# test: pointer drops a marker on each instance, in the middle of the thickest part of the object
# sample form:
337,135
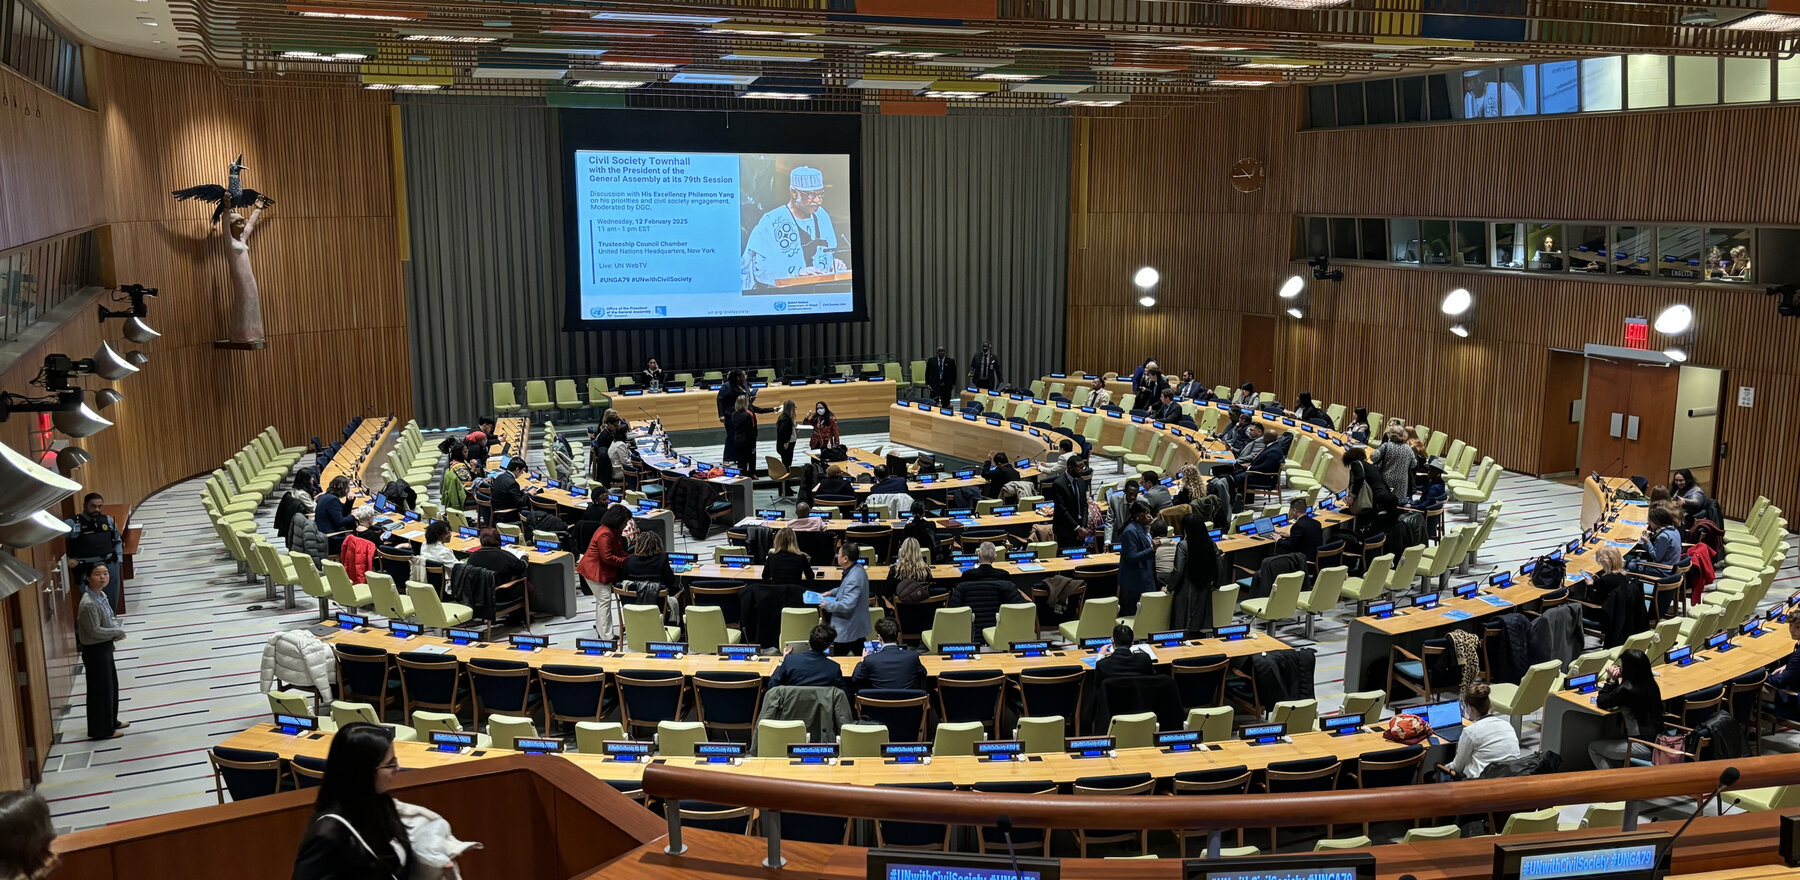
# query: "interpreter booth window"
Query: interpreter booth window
1435,235
1787,78
1350,104
1317,239
1479,92
1373,232
1443,97
1559,87
1321,106
1378,101
1343,238
1746,80
1678,253
1519,90
1471,242
1632,249
1589,254
1412,99
1602,83
1509,245
1696,80
1544,243
1403,240
1729,255
1646,81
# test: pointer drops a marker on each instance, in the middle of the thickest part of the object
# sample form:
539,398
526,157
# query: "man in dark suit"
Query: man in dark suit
984,569
811,668
1302,534
984,368
1191,388
1168,410
890,667
999,471
940,376
508,495
1122,660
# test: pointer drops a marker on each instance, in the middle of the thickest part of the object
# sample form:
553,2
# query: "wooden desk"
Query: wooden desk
863,461
1370,638
355,457
552,575
697,408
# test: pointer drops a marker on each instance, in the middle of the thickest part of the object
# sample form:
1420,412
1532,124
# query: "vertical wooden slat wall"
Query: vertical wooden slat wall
1160,194
325,258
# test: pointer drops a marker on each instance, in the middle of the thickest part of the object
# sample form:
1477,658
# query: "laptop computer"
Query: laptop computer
1446,719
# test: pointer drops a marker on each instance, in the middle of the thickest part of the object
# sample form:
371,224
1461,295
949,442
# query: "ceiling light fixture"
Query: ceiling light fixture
26,488
1094,99
659,17
594,79
1765,21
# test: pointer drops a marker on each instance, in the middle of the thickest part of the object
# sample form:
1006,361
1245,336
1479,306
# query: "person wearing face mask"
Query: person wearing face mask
984,368
824,425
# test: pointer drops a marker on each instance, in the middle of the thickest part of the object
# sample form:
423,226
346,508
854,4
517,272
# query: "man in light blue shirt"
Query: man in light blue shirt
848,605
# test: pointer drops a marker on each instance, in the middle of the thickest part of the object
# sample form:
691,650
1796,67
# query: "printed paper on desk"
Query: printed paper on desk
1496,601
1457,614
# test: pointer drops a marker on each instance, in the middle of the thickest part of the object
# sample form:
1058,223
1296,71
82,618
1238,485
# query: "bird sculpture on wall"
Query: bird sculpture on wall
232,195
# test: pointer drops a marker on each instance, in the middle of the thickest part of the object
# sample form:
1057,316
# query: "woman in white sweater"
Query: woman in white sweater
1486,737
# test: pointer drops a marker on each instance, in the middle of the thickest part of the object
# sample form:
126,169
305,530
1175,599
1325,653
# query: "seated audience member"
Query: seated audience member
1785,680
1167,410
1192,389
984,569
1307,411
998,471
435,551
649,564
1358,429
836,482
920,528
1660,543
621,454
507,493
1190,486
1688,494
509,569
330,515
1122,659
1247,396
1101,397
983,589
1267,464
1628,686
1155,493
888,482
804,521
909,578
891,666
787,563
812,667
1254,444
1236,431
1055,460
1302,534
1487,737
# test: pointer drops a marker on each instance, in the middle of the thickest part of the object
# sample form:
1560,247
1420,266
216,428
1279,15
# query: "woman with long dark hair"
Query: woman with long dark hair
356,830
603,566
1197,577
25,836
1629,687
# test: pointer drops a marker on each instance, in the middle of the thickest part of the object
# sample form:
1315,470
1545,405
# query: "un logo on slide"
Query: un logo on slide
780,306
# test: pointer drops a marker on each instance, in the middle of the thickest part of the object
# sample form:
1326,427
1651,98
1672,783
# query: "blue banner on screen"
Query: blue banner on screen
1593,862
668,235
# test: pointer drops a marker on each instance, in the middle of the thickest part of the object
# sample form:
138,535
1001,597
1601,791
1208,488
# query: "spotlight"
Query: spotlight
137,358
1787,307
33,530
1146,277
1457,302
1675,354
77,420
1146,300
1461,330
108,365
139,332
106,397
15,575
1296,312
1292,287
1322,270
26,488
1675,320
71,457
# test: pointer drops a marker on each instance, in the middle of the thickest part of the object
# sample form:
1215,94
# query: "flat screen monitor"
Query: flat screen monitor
910,865
1297,866
1615,856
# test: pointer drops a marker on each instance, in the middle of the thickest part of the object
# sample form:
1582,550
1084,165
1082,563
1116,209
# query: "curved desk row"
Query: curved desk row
698,409
1370,638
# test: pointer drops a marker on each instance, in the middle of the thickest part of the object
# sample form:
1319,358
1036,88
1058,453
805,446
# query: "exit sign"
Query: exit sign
1637,333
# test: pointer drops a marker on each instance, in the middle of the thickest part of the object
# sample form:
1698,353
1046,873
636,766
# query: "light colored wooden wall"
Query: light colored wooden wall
1158,192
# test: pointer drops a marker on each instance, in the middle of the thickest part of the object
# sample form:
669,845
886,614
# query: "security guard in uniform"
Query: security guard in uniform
94,537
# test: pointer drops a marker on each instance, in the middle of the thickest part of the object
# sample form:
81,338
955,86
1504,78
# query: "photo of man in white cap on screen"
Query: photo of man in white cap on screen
794,239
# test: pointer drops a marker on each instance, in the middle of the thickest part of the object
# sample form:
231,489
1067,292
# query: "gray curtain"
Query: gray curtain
964,231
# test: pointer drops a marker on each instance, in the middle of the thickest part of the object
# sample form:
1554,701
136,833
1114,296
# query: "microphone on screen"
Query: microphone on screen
1004,823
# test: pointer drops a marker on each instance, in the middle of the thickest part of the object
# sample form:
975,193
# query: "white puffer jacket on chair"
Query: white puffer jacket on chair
298,657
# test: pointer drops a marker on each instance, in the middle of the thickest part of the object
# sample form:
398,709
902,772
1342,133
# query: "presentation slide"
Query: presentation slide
682,235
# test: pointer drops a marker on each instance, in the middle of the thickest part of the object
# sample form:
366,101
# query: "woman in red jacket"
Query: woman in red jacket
357,554
602,566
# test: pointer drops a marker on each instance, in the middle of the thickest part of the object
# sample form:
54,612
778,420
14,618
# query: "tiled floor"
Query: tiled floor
190,668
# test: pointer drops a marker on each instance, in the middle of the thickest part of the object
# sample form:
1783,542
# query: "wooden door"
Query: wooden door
1627,390
1256,351
1559,432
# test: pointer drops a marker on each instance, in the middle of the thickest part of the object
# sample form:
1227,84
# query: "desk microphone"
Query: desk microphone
1004,823
1729,776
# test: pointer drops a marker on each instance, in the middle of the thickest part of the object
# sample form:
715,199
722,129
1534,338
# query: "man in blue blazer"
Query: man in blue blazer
813,668
891,667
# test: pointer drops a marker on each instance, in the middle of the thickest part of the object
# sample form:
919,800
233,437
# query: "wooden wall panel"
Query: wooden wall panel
50,175
1158,192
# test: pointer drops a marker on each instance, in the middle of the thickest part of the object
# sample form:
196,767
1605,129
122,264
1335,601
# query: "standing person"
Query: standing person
848,605
1137,376
940,376
740,436
1071,504
1630,687
95,537
603,564
984,368
824,425
1396,458
356,830
95,632
1137,559
729,393
1196,579
25,836
784,436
